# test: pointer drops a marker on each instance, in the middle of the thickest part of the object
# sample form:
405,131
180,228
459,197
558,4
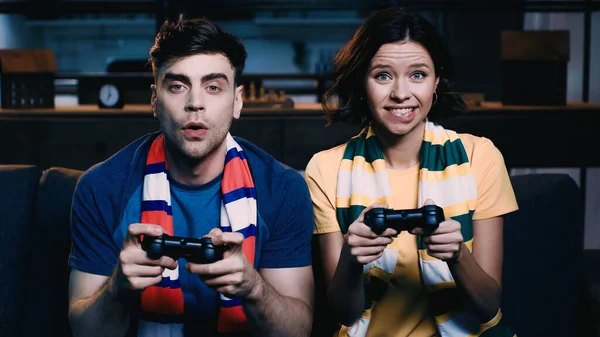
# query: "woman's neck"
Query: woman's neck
189,171
401,152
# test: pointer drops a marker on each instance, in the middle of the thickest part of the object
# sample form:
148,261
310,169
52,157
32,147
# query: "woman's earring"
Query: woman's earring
435,98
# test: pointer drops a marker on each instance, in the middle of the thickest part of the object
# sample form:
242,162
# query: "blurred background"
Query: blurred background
529,70
290,46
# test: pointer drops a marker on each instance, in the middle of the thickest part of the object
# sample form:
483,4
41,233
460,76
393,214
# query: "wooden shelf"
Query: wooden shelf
80,136
300,109
143,110
497,106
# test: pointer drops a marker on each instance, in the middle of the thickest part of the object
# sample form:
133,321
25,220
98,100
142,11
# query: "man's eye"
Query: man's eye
176,87
213,88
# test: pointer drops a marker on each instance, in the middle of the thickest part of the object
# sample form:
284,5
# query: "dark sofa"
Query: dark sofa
34,246
545,289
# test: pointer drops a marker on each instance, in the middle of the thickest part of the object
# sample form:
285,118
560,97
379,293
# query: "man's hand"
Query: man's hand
366,246
136,270
233,276
445,242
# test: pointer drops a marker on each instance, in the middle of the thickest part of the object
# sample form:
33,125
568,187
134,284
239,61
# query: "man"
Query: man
192,179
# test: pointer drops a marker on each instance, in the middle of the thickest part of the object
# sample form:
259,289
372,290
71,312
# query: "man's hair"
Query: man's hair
195,36
346,100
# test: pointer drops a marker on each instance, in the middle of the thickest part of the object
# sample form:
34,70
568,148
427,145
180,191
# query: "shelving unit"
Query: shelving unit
302,9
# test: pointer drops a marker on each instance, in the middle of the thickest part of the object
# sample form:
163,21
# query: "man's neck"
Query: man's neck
402,152
195,172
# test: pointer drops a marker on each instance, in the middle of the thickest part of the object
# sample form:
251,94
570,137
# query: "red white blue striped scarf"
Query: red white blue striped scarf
164,301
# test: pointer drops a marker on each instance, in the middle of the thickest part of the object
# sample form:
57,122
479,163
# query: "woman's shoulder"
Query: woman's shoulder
333,154
326,163
484,156
478,146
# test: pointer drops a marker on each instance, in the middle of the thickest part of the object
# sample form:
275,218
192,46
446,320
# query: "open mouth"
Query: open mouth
195,130
194,126
401,111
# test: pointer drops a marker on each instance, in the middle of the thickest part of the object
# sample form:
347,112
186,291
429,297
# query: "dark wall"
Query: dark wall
473,39
472,30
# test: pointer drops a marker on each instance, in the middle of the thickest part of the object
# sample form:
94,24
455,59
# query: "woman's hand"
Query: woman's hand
445,242
364,245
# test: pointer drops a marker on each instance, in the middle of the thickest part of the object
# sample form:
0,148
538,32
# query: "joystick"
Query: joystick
194,250
427,217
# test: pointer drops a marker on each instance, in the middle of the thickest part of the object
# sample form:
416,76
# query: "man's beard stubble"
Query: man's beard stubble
195,151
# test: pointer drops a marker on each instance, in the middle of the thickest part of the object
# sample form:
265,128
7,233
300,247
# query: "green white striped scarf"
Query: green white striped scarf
444,176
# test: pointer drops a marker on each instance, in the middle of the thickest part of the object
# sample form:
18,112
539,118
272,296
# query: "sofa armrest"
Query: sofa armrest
17,201
47,297
591,292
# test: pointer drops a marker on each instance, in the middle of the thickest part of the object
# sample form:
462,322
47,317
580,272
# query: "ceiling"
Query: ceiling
234,9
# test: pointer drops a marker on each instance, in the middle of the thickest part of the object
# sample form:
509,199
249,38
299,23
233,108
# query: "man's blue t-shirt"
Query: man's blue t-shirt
108,198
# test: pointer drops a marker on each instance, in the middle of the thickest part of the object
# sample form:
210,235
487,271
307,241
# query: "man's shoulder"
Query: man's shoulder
284,205
274,181
116,170
265,168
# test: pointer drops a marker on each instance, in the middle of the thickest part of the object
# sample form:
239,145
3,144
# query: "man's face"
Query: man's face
196,101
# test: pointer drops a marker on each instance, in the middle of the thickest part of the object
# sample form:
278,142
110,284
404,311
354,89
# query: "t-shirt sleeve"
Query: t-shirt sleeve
322,204
495,193
289,242
92,250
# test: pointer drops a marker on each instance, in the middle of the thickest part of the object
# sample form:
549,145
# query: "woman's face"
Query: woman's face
399,83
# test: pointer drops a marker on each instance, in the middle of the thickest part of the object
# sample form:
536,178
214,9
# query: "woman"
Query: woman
393,77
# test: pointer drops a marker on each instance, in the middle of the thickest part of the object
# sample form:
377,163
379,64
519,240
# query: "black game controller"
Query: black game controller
194,250
427,217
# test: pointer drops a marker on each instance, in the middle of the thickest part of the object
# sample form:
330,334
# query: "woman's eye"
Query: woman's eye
382,77
418,76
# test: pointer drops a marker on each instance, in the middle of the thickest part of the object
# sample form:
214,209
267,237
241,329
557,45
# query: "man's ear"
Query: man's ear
153,99
239,101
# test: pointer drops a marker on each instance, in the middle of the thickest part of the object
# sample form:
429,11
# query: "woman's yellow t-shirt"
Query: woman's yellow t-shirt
402,311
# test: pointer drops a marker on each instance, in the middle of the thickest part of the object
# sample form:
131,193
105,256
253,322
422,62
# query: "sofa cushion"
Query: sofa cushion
543,245
47,295
19,184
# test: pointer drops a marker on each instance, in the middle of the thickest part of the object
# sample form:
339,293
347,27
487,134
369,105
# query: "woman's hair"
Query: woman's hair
346,99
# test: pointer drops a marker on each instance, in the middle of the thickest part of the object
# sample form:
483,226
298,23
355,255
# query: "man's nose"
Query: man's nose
195,101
